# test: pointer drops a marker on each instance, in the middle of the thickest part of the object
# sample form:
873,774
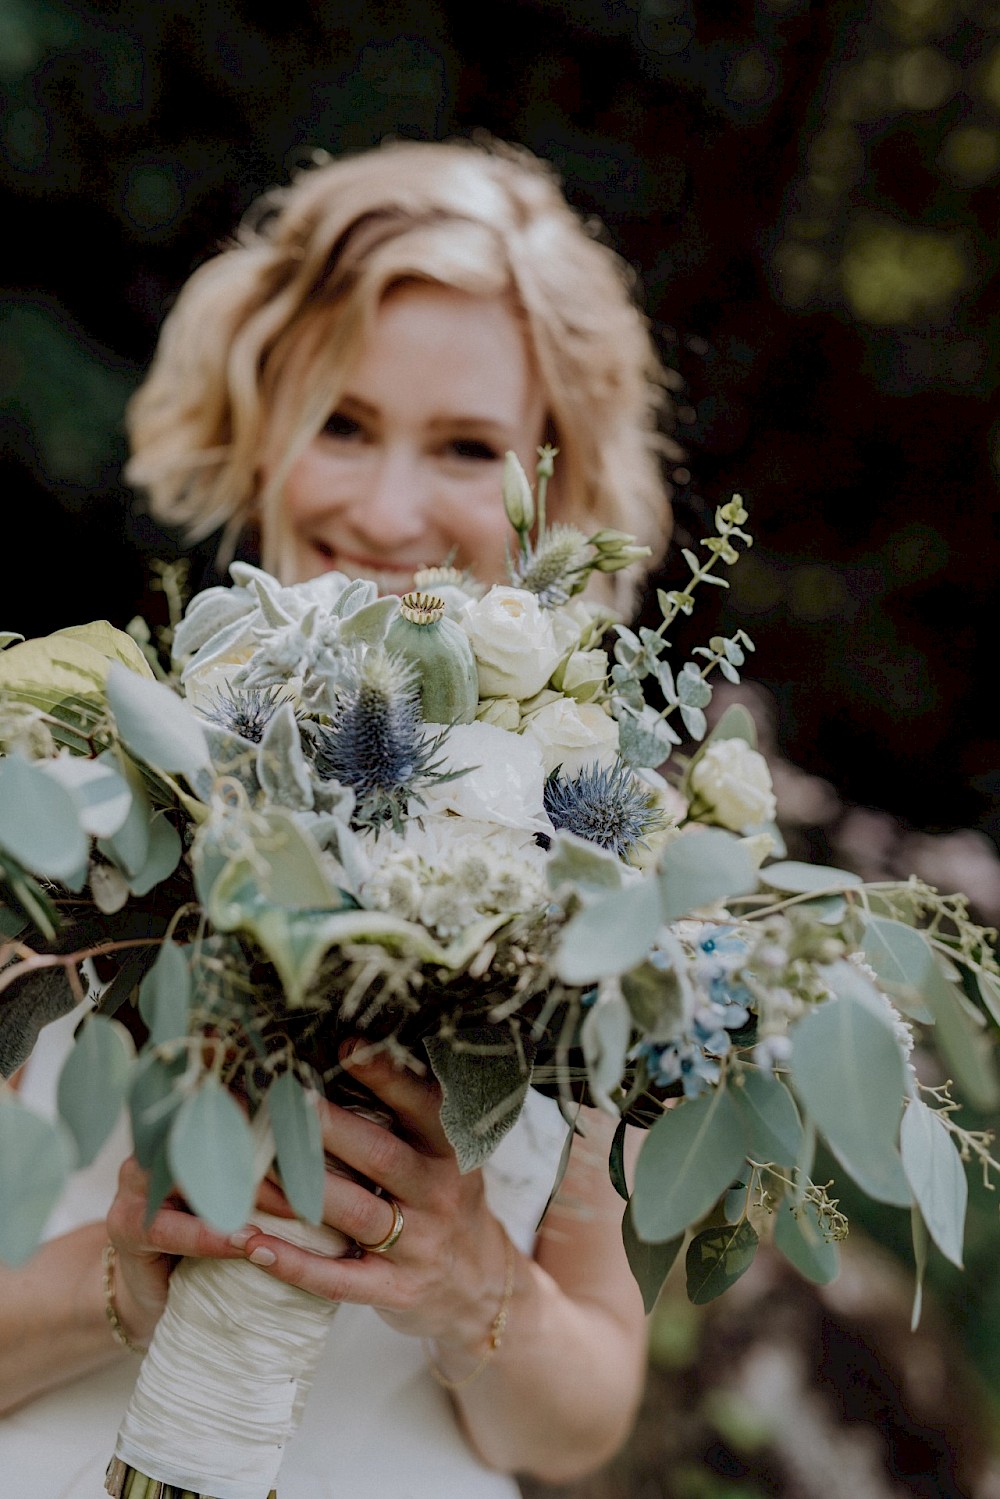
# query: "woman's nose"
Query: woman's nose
391,508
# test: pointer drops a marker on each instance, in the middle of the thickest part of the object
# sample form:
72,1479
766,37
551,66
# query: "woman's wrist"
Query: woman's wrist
458,1360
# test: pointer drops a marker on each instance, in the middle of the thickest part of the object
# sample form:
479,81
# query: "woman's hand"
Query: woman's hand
449,1261
147,1254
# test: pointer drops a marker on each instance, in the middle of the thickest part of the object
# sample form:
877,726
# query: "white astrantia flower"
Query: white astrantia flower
572,735
513,642
734,782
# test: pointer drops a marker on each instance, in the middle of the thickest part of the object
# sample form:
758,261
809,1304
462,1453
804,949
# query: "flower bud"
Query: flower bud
546,462
517,497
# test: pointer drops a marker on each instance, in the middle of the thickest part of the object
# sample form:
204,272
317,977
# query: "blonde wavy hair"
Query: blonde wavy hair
256,350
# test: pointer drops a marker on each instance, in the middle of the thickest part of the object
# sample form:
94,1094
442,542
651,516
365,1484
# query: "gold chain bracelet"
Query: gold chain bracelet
118,1332
497,1328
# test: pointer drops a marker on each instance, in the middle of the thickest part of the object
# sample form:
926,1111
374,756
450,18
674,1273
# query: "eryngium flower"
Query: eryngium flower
607,805
375,741
246,711
554,570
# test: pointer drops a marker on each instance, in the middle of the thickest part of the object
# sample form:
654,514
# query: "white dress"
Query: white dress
375,1421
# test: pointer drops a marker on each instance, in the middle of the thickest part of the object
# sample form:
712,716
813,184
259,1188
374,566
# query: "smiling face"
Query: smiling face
407,471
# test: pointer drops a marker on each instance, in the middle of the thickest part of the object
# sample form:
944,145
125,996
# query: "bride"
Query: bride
336,389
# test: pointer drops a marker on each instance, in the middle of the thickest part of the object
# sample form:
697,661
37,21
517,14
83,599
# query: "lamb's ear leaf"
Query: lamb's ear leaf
484,1091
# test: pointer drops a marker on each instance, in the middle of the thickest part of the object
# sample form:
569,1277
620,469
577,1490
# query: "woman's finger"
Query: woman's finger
415,1101
371,1281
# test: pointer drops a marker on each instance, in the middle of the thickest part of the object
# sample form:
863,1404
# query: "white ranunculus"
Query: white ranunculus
572,735
513,642
734,782
504,787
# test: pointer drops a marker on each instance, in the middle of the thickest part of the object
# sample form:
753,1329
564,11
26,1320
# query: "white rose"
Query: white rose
505,786
513,642
671,804
734,782
203,684
503,712
573,735
584,675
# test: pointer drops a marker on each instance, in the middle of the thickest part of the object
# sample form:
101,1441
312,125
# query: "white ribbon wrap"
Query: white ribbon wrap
223,1385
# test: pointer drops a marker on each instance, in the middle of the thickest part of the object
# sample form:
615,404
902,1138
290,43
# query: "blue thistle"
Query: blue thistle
606,805
246,711
375,742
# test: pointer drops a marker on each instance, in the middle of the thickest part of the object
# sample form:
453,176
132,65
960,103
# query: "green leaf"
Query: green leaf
734,1204
716,1258
128,846
52,669
484,1082
575,861
154,1099
40,821
793,878
735,723
902,958
112,644
93,1083
770,1118
959,1032
165,995
649,1263
688,1159
611,935
35,1160
989,993
935,1171
156,725
918,1230
701,868
798,1235
99,789
11,922
848,1073
211,1156
644,738
604,1040
298,1139
616,1161
281,765
162,856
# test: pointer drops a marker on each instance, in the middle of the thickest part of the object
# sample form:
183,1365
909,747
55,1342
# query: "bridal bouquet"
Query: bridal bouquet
437,822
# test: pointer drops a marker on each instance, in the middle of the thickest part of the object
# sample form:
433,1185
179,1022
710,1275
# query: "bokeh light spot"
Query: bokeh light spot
971,154
894,274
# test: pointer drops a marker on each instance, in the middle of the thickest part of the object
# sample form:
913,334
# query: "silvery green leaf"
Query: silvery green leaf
154,1098
665,679
35,1160
232,755
34,1003
798,1235
794,878
959,1033
701,868
611,935
689,1157
716,1258
734,1204
108,886
298,1140
93,1083
849,1075
281,766
207,615
40,821
230,644
692,690
165,995
369,623
902,958
128,846
483,1090
935,1171
162,856
989,993
604,1039
650,1263
358,594
694,721
211,1154
644,738
770,1118
156,725
99,789
628,647
577,862
284,870
11,922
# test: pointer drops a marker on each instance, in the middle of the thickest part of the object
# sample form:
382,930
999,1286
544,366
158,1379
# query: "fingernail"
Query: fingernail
263,1256
348,1047
242,1236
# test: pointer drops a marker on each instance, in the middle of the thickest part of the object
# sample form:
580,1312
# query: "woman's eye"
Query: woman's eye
339,425
470,447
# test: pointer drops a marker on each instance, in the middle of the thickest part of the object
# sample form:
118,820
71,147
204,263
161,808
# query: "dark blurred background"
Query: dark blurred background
809,194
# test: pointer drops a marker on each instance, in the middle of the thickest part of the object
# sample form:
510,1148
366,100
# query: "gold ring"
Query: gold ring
392,1235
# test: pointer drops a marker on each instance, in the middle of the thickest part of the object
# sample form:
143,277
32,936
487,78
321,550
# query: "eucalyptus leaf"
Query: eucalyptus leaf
692,689
483,1090
211,1156
644,738
770,1118
935,1171
611,935
717,1257
165,995
797,1233
688,1159
35,1160
100,791
694,721
848,1073
961,1037
989,993
902,958
128,845
604,1039
156,725
701,868
650,1263
93,1083
162,856
576,861
616,1160
660,994
734,1204
154,1099
40,820
918,1230
298,1139
793,878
